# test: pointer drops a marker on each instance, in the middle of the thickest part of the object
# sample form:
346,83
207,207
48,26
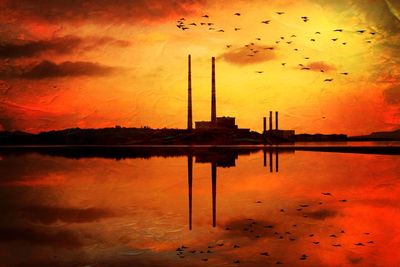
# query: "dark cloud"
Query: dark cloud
46,237
48,69
98,11
320,65
392,95
62,45
321,214
49,215
245,56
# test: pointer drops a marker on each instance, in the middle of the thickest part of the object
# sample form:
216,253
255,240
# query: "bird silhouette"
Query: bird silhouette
289,42
344,73
237,29
359,244
258,39
228,46
193,24
237,14
203,23
317,32
372,33
336,245
205,16
328,80
334,39
338,30
260,73
264,253
327,193
305,68
293,35
316,242
283,64
210,24
266,21
280,13
344,43
360,31
211,28
312,40
221,30
236,261
236,246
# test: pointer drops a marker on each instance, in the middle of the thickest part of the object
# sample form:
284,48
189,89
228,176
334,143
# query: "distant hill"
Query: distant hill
381,136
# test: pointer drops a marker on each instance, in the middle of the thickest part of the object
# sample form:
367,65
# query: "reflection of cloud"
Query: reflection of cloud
49,215
49,69
321,214
245,56
248,228
56,238
63,45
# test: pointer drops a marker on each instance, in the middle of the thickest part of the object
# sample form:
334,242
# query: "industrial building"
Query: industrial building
228,123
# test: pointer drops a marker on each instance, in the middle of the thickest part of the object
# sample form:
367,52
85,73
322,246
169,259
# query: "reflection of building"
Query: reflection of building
221,159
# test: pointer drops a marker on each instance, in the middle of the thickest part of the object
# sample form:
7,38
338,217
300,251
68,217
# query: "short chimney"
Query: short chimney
276,120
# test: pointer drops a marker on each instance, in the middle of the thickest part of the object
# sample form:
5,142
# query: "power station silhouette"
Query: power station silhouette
226,123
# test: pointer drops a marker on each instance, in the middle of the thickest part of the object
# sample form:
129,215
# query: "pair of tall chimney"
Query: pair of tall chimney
213,95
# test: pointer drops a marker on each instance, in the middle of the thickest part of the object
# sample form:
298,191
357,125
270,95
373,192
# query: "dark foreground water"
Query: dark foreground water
218,208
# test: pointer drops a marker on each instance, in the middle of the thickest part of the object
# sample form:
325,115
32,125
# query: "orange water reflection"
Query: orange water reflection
60,211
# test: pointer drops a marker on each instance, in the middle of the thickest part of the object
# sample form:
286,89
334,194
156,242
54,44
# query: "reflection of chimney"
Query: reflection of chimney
276,120
270,120
189,118
190,176
213,101
214,192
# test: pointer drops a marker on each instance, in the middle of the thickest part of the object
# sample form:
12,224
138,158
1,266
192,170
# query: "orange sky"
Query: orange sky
105,63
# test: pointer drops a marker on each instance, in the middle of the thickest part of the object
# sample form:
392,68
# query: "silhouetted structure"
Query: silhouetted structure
189,118
278,135
221,123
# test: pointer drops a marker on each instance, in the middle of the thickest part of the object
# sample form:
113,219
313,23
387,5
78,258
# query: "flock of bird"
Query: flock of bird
257,230
255,49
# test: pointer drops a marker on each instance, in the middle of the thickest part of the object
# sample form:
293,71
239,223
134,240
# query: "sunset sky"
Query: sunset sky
101,63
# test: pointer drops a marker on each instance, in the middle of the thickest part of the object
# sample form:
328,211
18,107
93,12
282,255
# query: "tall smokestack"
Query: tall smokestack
264,125
276,120
189,115
270,120
213,101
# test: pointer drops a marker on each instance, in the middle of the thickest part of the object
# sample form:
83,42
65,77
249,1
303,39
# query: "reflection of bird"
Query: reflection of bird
237,14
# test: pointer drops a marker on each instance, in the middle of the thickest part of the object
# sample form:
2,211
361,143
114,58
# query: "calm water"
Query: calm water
224,208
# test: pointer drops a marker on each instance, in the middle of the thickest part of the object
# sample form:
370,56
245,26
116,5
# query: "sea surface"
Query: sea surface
214,207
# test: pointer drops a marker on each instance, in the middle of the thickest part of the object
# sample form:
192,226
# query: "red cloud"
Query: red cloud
320,65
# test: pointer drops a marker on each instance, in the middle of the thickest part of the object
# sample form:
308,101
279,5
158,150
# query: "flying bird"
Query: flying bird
283,64
312,40
193,24
334,39
293,35
266,21
210,24
280,13
203,23
228,46
327,80
338,30
205,16
360,31
344,43
317,32
345,73
221,30
258,39
289,42
237,14
237,29
259,71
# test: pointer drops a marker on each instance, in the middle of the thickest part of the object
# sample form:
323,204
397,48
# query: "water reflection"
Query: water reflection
62,209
